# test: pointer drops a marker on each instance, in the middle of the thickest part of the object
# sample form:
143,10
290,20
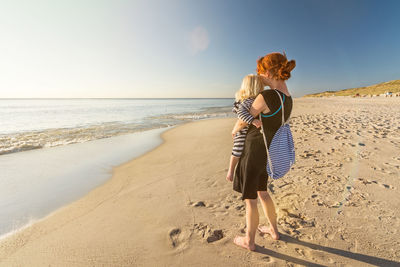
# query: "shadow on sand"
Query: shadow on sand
355,256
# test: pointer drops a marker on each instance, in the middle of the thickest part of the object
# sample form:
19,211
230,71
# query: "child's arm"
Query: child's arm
244,113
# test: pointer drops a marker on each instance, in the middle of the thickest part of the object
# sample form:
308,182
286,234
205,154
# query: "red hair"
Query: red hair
277,64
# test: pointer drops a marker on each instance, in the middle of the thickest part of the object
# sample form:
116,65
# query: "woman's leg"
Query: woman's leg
252,220
232,163
270,213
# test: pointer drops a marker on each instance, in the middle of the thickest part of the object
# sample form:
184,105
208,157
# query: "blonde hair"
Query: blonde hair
251,87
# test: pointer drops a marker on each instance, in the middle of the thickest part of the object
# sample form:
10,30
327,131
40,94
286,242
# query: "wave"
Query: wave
23,141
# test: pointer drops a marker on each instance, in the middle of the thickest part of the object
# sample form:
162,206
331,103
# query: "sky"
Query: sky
158,49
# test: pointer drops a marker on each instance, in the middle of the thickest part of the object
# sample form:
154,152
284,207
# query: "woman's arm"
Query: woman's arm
258,106
246,117
239,125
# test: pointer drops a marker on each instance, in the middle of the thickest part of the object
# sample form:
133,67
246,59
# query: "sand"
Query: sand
172,206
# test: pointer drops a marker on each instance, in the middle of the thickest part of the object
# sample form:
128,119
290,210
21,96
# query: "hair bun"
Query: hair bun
285,69
276,64
290,65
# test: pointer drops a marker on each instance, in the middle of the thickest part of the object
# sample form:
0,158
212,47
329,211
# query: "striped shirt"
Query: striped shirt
242,109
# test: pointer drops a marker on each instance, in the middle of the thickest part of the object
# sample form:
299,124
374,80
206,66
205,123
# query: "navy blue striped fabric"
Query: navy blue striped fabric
242,109
281,154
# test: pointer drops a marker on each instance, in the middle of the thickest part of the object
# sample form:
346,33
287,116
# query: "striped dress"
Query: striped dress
242,109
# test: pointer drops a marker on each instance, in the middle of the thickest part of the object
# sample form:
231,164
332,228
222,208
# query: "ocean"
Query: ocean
27,124
54,151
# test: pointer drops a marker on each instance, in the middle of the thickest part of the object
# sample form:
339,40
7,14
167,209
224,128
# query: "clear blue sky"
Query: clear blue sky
191,48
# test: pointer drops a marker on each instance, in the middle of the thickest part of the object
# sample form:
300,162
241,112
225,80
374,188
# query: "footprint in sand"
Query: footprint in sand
240,207
174,236
381,170
202,229
215,235
300,252
386,186
285,184
221,206
199,204
214,183
290,198
291,223
392,165
367,182
330,235
266,259
205,231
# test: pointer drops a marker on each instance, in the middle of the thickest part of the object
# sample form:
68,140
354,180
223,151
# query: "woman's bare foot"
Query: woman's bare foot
269,230
229,177
243,242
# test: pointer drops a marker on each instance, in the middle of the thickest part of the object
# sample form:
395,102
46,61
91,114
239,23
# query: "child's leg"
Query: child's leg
238,143
232,163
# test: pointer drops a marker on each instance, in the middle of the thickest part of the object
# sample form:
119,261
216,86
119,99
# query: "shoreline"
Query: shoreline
23,221
69,172
116,185
154,146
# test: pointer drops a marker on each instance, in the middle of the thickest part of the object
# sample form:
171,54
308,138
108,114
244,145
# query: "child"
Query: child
251,87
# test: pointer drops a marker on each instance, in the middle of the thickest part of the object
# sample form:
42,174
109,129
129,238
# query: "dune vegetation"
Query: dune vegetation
376,89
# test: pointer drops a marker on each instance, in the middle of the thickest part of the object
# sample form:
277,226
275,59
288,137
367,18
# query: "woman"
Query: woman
250,176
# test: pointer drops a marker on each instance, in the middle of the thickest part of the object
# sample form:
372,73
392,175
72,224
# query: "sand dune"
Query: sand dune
375,89
173,206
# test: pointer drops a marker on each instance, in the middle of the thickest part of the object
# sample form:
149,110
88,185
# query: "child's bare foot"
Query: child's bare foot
229,177
243,242
269,230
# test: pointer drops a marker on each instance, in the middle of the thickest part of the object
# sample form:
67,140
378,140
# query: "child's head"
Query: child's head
251,86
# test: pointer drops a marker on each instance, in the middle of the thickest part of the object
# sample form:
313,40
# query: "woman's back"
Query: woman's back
273,119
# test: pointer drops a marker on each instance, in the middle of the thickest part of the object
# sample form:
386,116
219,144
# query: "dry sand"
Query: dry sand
170,207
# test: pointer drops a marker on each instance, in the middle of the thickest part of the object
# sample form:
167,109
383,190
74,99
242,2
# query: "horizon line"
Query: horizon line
6,98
